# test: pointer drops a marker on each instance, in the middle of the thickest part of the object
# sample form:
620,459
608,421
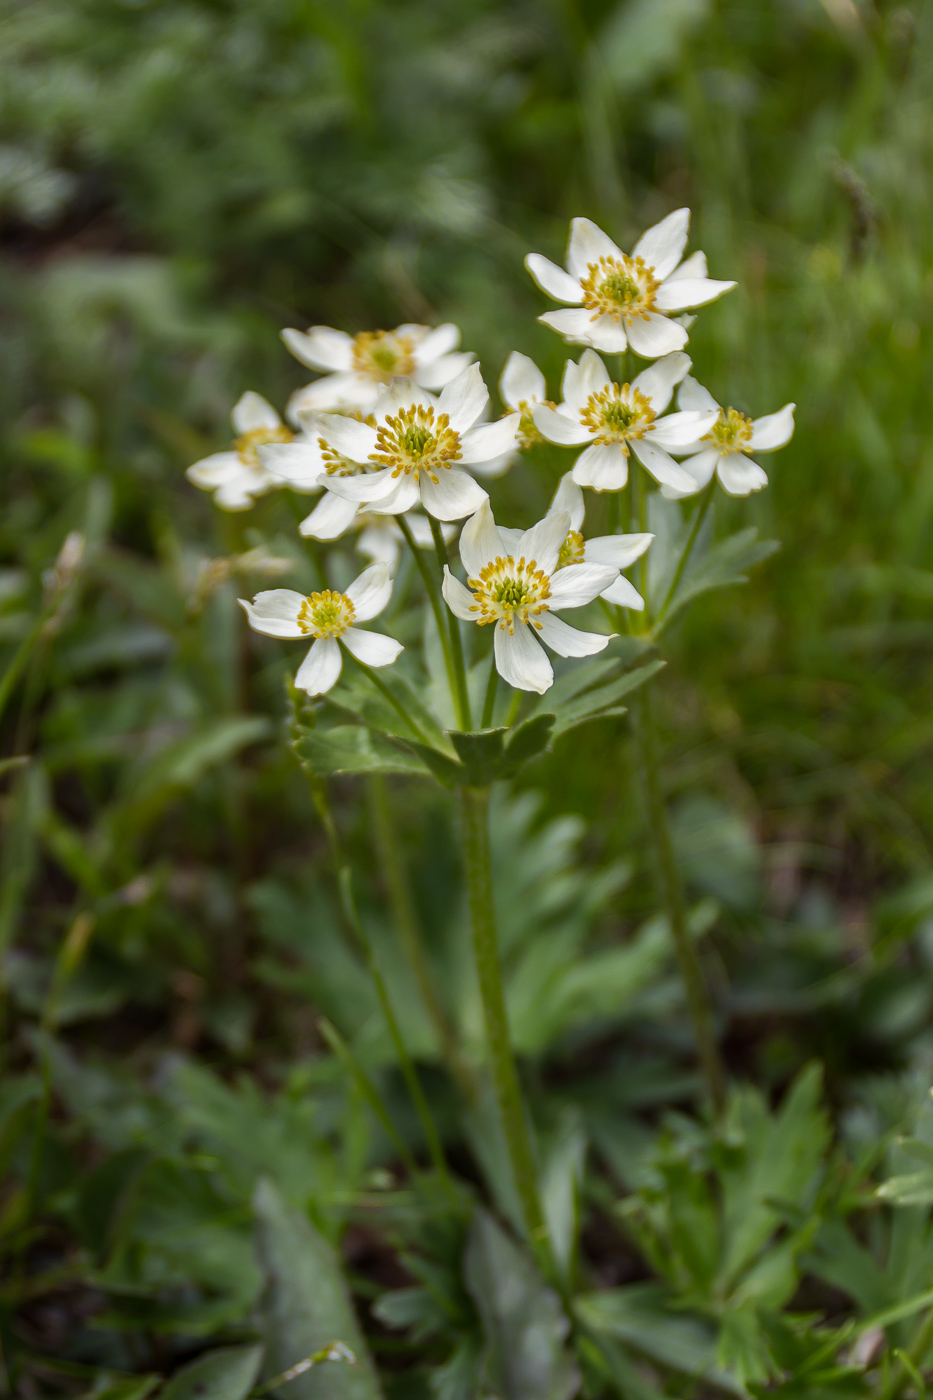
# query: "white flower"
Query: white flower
357,368
414,451
518,587
618,551
326,617
615,419
521,387
237,477
722,449
626,299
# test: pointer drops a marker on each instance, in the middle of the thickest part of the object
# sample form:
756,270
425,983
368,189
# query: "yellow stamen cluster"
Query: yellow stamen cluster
732,431
617,414
383,355
412,442
326,614
623,287
571,551
507,592
245,446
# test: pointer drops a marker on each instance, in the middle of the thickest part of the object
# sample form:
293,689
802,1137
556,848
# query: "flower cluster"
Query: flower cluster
395,437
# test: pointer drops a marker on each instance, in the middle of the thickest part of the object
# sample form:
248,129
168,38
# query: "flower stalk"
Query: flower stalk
456,641
672,895
475,815
432,588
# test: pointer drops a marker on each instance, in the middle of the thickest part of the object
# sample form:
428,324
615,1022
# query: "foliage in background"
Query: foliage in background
177,182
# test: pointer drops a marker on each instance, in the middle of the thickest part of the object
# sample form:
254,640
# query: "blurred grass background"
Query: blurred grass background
178,181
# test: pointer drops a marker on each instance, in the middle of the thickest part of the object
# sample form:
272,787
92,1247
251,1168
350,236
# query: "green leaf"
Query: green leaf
528,740
480,755
307,1305
602,700
126,1388
229,1373
351,748
912,1189
725,565
523,1323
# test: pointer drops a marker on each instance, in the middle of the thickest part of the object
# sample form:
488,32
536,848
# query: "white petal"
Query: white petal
573,323
380,543
694,266
330,518
321,668
481,542
459,599
347,436
521,381
464,399
368,486
252,411
587,245
332,394
452,496
553,280
436,373
490,440
623,594
520,661
680,430
372,648
569,497
567,640
510,539
213,471
662,246
689,291
662,467
320,348
774,430
436,343
606,333
658,380
557,427
543,541
739,475
604,467
402,393
618,550
403,497
699,468
275,612
298,463
578,584
694,397
496,466
654,335
370,593
583,379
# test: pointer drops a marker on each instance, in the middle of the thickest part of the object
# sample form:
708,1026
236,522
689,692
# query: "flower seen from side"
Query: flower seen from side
617,299
416,446
618,419
238,476
521,387
516,585
722,449
328,617
616,551
355,369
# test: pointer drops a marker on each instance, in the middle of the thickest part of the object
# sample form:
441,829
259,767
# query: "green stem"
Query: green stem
393,700
475,814
370,1093
672,894
699,515
456,641
433,591
355,924
514,708
639,487
406,920
22,655
615,512
492,686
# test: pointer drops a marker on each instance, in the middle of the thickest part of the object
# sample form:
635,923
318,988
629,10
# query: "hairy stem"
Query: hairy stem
475,814
406,920
432,588
672,895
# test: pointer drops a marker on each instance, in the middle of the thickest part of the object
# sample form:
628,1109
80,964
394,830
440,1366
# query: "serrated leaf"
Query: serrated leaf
229,1373
351,748
355,695
307,1305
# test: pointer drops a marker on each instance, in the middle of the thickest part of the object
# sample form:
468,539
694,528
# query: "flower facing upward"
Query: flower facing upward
237,477
516,585
521,387
722,449
328,617
616,419
357,368
415,446
619,299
